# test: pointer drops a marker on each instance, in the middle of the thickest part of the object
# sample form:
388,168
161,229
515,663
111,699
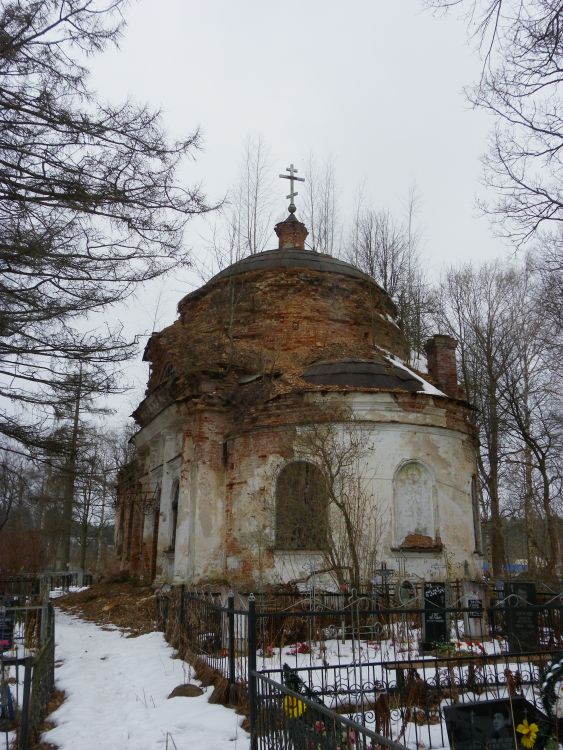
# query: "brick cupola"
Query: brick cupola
291,233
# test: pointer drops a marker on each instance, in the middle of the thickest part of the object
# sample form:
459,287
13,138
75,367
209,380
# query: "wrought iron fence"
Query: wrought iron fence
288,720
66,580
370,663
29,588
26,669
20,586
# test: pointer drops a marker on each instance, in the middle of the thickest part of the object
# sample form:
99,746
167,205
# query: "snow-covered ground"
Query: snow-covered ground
116,695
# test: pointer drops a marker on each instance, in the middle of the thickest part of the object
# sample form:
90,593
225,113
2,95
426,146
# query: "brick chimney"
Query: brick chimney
291,233
442,367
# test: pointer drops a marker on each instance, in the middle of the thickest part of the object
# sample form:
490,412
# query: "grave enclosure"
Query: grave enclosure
27,657
367,658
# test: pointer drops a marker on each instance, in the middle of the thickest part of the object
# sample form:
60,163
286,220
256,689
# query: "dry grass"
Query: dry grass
56,700
125,605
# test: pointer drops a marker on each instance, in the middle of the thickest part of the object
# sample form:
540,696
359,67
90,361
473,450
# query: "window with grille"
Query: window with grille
301,507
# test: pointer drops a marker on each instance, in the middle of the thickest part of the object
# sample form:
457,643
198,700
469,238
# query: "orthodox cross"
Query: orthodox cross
292,193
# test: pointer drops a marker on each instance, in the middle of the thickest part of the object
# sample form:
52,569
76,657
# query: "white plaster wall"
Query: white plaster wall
202,527
159,443
395,436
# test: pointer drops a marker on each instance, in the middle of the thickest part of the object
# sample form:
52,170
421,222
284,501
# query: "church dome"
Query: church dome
283,310
294,258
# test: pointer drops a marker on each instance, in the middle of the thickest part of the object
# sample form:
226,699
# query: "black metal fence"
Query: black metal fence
20,586
27,660
371,663
287,720
29,588
66,580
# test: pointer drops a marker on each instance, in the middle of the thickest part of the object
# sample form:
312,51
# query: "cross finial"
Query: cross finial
292,193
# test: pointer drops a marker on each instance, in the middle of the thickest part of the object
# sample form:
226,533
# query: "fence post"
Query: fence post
23,733
251,639
231,636
44,625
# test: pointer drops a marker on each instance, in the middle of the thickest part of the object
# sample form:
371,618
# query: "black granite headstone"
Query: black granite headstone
493,725
436,629
521,618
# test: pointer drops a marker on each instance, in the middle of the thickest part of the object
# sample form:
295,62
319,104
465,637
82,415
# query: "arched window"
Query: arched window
301,507
414,506
174,514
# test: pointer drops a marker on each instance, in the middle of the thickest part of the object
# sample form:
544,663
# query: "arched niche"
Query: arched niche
415,522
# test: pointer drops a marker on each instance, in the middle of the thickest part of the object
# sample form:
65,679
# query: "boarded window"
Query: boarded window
414,506
301,508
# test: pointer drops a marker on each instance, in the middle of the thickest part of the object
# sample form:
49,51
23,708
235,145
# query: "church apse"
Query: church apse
279,343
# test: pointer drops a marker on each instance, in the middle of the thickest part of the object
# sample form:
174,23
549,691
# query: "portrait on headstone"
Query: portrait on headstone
501,724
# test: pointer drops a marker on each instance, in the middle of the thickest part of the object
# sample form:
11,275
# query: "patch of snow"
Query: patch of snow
116,695
426,387
390,319
55,593
419,362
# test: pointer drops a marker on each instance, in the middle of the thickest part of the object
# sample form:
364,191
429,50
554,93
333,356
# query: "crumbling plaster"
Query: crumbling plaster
225,408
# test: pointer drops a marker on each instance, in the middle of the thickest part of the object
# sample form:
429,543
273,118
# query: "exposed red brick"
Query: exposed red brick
442,365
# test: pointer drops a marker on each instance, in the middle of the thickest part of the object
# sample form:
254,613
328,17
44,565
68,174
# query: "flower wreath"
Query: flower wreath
549,678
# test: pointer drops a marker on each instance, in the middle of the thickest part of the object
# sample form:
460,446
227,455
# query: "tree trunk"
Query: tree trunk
101,528
497,539
70,471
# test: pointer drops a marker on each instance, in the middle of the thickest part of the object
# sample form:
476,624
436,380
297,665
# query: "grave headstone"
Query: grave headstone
475,624
521,619
435,622
493,725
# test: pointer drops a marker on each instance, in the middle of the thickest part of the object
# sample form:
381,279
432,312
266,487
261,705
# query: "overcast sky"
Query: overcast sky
374,85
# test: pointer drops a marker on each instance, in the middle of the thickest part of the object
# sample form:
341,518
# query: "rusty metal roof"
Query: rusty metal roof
361,373
292,258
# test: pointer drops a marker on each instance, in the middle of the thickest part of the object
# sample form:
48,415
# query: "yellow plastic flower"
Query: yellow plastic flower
294,707
529,733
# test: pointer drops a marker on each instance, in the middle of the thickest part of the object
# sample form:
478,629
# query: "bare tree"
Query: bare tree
547,266
355,525
96,495
321,213
522,44
473,306
531,398
387,250
244,224
13,488
498,316
89,203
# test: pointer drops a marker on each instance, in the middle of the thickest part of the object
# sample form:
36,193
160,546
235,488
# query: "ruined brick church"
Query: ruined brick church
225,487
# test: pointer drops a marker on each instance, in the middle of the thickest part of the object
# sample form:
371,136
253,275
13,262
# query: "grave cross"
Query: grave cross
292,193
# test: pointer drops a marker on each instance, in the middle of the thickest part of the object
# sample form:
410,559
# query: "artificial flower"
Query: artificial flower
293,707
529,733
